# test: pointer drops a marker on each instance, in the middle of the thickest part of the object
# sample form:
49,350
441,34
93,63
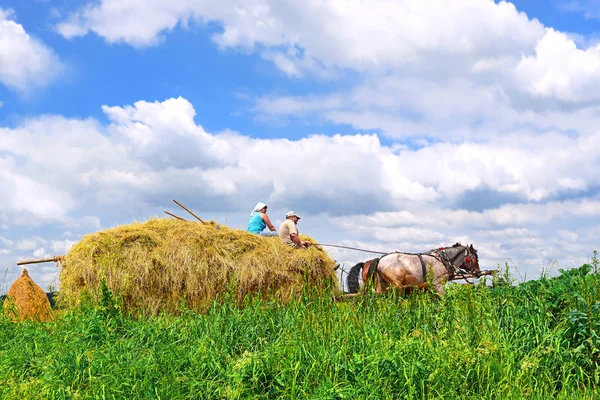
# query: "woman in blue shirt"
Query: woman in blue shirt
259,219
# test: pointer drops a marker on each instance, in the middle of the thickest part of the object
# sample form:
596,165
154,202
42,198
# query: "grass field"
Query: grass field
539,339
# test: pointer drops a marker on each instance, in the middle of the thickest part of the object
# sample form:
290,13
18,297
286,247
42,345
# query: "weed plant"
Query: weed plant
539,339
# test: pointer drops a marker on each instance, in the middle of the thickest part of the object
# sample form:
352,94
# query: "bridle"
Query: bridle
470,259
454,268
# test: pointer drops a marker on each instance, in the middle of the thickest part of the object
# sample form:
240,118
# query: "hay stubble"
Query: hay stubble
162,263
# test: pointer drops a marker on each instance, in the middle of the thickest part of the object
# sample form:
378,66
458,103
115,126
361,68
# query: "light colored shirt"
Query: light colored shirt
286,230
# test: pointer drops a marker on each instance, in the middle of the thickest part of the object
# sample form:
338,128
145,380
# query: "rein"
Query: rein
351,248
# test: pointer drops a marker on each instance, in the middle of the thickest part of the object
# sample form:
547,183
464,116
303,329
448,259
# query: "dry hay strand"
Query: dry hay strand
26,300
162,263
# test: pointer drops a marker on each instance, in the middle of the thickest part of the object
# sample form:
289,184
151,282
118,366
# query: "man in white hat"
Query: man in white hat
288,232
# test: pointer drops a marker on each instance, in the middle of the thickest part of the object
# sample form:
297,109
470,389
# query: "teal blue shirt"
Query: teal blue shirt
256,224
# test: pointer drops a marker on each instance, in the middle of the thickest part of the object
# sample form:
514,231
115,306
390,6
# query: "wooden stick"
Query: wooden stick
41,260
186,209
479,275
175,216
346,297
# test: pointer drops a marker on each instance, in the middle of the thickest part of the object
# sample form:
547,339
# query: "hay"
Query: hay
26,300
161,263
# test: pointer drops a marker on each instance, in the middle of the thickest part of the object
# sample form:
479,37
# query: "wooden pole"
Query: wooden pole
175,216
475,275
186,209
41,260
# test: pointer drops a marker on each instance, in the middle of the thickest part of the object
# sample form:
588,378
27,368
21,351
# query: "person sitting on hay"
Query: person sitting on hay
259,220
288,232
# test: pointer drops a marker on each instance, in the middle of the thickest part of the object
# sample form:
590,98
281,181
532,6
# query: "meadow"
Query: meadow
496,339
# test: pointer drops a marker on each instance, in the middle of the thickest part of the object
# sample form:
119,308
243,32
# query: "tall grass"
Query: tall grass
539,339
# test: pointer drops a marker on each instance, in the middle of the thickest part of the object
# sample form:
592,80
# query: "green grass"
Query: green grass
539,339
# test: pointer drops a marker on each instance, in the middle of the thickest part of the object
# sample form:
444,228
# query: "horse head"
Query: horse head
471,260
464,257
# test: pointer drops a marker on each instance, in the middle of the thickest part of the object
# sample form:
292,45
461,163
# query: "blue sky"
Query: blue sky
389,125
186,63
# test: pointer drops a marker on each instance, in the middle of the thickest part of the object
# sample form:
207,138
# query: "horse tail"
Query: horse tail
352,279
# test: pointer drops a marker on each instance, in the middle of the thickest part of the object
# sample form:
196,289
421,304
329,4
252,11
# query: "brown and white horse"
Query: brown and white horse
410,270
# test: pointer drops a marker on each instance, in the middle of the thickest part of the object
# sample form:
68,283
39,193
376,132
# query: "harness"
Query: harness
369,268
444,259
423,267
439,254
452,269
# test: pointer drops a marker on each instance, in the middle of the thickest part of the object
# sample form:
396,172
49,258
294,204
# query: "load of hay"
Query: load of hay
162,264
26,300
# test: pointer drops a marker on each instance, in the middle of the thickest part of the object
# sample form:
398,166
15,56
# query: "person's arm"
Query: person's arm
267,220
296,239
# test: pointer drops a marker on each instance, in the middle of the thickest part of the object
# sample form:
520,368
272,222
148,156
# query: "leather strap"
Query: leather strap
423,267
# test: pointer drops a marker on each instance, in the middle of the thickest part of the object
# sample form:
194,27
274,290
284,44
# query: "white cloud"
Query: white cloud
25,62
483,41
30,243
509,217
350,188
60,247
41,253
348,34
24,194
152,148
560,70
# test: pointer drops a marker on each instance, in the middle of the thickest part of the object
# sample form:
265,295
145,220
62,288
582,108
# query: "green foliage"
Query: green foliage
539,339
504,279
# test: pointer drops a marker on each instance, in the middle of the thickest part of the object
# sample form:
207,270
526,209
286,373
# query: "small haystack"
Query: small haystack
26,300
162,264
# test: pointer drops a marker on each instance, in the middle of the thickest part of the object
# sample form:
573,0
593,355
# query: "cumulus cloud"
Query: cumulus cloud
53,248
492,117
489,43
454,110
151,148
560,70
460,70
351,34
351,188
25,62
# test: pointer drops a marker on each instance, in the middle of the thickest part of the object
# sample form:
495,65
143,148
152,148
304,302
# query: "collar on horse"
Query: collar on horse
441,255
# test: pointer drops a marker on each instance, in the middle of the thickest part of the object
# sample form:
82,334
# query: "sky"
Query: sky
388,125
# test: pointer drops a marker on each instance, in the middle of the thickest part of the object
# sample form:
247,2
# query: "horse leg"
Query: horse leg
382,285
438,284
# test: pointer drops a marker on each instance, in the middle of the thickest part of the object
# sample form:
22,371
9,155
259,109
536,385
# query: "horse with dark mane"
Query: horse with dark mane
410,270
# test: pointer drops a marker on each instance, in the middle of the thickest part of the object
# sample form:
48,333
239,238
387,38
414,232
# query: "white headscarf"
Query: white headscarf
259,206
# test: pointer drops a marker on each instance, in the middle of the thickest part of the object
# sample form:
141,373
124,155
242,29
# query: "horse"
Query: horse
409,270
